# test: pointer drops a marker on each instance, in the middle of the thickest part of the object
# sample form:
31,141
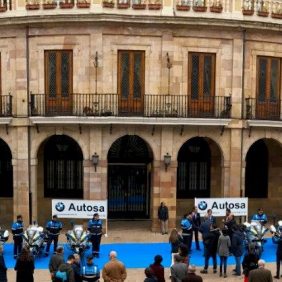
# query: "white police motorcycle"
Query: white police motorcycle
34,238
4,236
77,239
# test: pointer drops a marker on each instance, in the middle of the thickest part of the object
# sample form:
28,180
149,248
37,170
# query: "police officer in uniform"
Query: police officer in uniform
17,230
260,216
187,230
95,228
53,228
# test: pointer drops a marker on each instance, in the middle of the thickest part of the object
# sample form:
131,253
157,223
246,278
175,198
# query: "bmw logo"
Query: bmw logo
202,205
60,207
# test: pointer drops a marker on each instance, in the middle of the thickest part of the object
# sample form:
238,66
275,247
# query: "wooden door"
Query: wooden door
268,88
58,82
131,81
201,85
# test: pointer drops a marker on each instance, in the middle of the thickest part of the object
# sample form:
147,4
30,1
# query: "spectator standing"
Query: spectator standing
157,268
187,230
192,276
67,267
3,268
53,228
55,261
77,268
205,227
276,239
149,275
250,261
175,239
178,270
210,217
90,272
163,218
17,230
229,222
25,266
237,247
210,241
260,216
114,270
196,223
183,252
223,246
261,274
95,227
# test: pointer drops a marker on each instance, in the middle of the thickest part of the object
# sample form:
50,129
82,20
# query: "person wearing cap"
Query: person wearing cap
95,227
53,228
260,216
17,230
192,276
90,272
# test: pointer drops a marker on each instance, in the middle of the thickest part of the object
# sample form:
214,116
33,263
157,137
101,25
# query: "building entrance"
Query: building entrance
129,178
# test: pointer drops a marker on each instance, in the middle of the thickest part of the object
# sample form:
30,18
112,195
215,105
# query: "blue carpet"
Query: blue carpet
136,255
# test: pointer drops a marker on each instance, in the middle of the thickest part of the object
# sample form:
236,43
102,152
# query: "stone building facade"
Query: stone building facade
132,86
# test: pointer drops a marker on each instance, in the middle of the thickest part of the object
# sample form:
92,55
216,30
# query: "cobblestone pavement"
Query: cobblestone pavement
136,232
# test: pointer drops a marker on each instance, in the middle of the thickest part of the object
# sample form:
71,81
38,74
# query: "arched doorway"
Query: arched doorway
129,161
194,169
6,170
256,180
63,168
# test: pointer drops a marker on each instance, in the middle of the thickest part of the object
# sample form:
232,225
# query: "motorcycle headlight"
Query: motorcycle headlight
30,233
78,234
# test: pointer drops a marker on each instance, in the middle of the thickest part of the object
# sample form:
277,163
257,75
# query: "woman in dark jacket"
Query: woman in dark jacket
25,266
158,269
3,268
175,239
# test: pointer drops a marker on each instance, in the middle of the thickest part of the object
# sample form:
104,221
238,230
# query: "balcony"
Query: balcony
157,106
6,105
267,109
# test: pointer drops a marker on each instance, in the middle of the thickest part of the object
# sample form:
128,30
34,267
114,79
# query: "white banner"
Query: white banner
238,206
79,208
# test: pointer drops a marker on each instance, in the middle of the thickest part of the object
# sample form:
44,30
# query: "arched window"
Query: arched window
256,180
6,170
63,170
193,172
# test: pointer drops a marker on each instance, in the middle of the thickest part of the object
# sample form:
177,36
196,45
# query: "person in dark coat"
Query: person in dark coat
175,239
25,266
196,223
210,248
277,239
149,275
158,269
250,261
261,274
3,268
229,222
76,268
55,261
178,270
237,247
192,276
163,217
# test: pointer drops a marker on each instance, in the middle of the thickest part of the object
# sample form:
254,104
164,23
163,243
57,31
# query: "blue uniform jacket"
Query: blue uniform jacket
186,225
262,218
17,229
54,227
95,226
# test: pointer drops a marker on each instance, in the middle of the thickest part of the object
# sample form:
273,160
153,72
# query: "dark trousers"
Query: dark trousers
278,260
196,234
52,238
187,240
18,243
223,262
96,241
209,255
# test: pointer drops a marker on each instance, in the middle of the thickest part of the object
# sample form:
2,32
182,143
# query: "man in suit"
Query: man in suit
178,270
196,222
260,274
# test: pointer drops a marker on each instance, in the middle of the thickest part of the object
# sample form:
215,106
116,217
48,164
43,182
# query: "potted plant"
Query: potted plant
3,8
200,7
182,6
263,12
154,6
216,8
66,5
139,5
32,6
49,5
108,4
83,4
123,5
276,15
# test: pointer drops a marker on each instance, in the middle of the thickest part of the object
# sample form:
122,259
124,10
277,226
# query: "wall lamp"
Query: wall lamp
167,160
95,160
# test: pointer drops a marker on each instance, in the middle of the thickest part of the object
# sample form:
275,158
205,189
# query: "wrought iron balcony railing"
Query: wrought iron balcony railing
266,109
177,106
6,105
